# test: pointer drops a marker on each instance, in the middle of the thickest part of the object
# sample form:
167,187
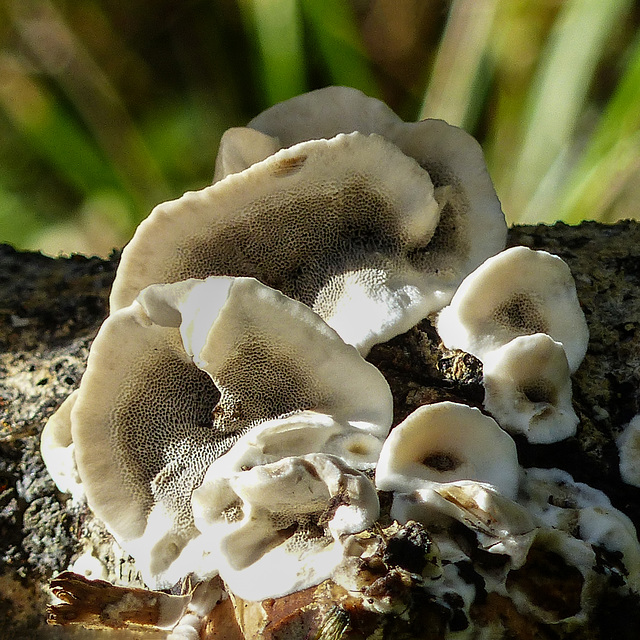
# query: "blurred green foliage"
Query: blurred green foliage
107,108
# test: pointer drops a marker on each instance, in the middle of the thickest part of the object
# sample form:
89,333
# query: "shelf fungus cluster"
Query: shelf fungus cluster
231,435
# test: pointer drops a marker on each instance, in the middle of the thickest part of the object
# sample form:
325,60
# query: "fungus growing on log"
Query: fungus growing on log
277,528
340,225
344,217
447,442
518,292
528,388
228,423
629,451
175,379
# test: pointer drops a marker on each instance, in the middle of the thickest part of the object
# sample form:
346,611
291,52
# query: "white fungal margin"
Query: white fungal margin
629,451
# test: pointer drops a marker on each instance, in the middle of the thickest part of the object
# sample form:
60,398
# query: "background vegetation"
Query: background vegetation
109,107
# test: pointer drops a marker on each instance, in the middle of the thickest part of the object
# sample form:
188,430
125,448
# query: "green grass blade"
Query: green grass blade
52,131
612,156
333,27
48,37
557,99
277,27
454,92
599,187
18,220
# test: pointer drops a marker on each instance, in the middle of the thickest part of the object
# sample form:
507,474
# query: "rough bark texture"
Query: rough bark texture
51,309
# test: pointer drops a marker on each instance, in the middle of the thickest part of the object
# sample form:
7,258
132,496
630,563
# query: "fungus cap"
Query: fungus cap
142,428
528,389
258,190
277,528
324,113
517,292
629,451
178,377
335,224
262,338
301,433
447,442
556,500
570,562
472,226
241,147
500,525
57,449
553,497
612,532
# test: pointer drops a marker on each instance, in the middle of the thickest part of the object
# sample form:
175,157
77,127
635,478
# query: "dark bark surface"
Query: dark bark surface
51,309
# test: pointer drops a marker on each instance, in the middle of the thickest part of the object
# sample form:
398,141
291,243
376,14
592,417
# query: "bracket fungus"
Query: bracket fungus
176,378
302,433
500,525
557,501
553,496
555,558
515,293
276,528
57,448
227,422
447,442
583,545
345,219
471,226
629,451
339,225
528,388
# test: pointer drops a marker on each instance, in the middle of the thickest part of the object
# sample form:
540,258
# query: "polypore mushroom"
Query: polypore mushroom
480,534
500,525
525,552
300,434
471,226
629,451
447,442
177,377
555,499
276,354
325,113
57,448
517,292
614,539
555,558
528,389
337,224
241,147
343,223
277,528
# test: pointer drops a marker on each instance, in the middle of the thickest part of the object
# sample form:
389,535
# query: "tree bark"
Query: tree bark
50,309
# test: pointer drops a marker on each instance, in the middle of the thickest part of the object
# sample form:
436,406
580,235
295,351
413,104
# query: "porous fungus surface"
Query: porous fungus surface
605,262
335,207
471,226
517,292
528,388
345,230
288,514
175,379
447,442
